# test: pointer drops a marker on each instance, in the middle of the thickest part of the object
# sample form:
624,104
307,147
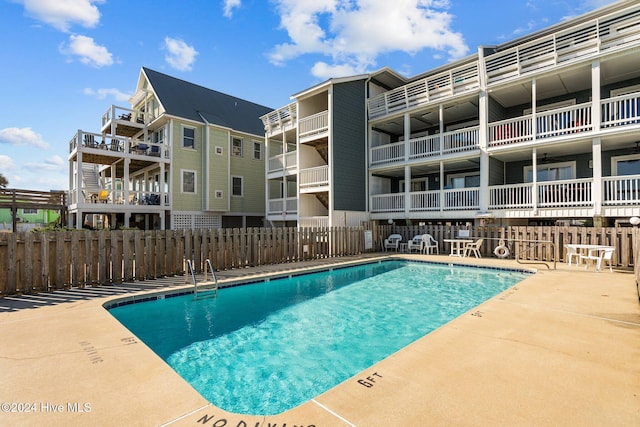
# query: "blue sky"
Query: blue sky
64,62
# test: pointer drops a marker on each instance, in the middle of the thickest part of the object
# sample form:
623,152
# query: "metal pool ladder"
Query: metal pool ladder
204,286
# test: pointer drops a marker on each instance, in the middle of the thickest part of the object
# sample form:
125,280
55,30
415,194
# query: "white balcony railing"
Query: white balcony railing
616,30
621,190
563,121
510,131
387,153
112,146
568,193
575,193
621,110
283,206
287,161
313,125
422,201
387,202
314,177
514,196
428,146
462,199
430,89
284,117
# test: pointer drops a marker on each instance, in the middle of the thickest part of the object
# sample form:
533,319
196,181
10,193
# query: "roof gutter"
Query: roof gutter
206,165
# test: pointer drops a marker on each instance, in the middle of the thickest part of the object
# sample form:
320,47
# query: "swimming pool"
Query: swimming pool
267,347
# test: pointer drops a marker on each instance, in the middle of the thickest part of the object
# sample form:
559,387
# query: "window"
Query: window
189,138
420,184
464,180
29,211
551,172
236,147
188,181
236,186
626,165
158,136
257,151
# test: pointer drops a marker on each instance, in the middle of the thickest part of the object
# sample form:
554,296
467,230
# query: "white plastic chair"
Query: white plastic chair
430,244
392,242
416,244
572,253
604,255
473,248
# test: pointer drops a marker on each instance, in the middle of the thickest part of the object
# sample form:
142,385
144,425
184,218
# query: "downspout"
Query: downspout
206,165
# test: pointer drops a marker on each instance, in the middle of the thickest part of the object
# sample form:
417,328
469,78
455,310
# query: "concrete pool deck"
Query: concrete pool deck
560,348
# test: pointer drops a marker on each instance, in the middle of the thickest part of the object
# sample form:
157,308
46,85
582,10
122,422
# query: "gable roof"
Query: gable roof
190,101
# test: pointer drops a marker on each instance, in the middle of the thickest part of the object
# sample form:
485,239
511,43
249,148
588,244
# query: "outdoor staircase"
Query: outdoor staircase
90,178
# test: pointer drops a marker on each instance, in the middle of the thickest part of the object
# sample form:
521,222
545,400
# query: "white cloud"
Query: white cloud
179,54
6,163
22,136
88,51
229,5
54,163
102,93
62,14
354,32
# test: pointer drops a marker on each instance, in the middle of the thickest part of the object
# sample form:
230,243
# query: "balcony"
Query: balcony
90,198
619,30
280,120
286,163
617,111
314,126
314,179
283,206
123,121
434,88
619,193
107,149
453,142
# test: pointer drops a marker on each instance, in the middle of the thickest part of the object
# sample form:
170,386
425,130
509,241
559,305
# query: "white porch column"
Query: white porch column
596,187
534,180
442,185
441,122
126,185
162,198
407,169
407,136
483,114
596,112
407,190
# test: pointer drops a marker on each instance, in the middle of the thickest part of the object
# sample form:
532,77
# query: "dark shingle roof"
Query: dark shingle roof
187,100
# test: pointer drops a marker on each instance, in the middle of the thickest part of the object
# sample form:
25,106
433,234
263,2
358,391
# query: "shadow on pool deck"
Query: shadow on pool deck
559,348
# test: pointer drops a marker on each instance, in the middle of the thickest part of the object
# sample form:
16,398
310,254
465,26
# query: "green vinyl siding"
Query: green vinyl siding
219,179
252,173
186,159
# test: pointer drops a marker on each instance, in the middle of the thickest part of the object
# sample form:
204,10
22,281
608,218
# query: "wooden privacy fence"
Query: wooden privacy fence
530,243
33,262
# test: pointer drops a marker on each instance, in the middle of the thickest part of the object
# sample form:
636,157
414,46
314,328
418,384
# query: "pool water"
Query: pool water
267,347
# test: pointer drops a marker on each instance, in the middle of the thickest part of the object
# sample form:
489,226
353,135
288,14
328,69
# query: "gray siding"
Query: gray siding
349,146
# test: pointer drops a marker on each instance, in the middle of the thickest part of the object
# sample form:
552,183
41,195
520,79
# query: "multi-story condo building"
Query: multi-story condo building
544,129
316,171
181,156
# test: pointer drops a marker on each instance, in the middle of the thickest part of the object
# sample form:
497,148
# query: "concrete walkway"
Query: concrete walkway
560,348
